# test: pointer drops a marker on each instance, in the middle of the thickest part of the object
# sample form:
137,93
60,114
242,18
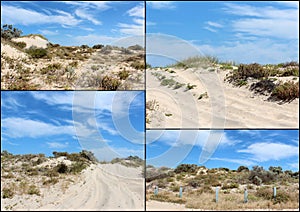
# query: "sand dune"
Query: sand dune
32,41
226,106
100,187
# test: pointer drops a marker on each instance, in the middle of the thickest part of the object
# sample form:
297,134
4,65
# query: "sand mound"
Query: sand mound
33,40
12,52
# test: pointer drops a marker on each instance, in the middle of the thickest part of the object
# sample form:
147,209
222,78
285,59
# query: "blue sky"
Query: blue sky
237,147
43,122
77,22
244,32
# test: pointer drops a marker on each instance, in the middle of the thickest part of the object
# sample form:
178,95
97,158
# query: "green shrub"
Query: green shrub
98,46
242,168
123,74
35,52
264,86
33,190
77,167
230,186
22,45
189,87
62,168
138,65
190,168
286,92
7,193
168,82
109,83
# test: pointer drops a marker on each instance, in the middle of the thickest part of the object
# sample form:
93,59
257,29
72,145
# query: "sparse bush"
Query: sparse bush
265,86
60,154
7,193
35,52
51,181
33,190
62,168
22,45
243,168
94,67
123,74
138,65
230,186
286,92
84,46
77,167
203,95
109,83
190,168
168,82
125,51
135,47
275,169
189,87
98,46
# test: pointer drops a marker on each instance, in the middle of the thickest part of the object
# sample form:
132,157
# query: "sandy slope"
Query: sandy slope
96,189
226,106
32,41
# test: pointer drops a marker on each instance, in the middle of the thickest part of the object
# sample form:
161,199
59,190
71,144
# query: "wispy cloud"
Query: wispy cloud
82,13
57,145
265,21
270,151
20,127
214,24
28,17
237,161
161,4
210,29
138,25
48,32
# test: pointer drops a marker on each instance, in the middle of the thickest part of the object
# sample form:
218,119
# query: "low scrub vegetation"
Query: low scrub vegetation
199,185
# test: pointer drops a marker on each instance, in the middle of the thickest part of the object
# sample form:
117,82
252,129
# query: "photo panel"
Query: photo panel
222,65
68,150
72,45
222,169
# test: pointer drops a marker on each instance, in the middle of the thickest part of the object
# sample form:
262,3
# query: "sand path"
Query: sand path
226,106
102,190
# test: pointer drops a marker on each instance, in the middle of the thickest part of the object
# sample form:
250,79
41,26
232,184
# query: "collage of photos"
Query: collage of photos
149,105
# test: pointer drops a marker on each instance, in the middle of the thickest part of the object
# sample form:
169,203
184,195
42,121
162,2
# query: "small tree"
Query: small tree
242,168
9,32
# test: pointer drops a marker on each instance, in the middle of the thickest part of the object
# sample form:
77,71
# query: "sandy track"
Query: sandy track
101,190
226,106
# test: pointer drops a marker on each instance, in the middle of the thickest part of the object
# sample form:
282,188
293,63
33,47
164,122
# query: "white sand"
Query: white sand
226,106
100,187
32,41
11,52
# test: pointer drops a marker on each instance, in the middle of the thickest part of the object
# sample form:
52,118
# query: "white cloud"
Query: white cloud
237,161
93,39
20,127
188,137
270,151
56,98
10,103
137,11
214,24
161,4
289,3
265,21
57,145
210,29
99,5
87,15
16,15
294,165
260,51
48,32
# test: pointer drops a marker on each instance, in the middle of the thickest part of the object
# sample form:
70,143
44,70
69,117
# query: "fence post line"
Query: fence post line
217,194
156,190
245,196
180,192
